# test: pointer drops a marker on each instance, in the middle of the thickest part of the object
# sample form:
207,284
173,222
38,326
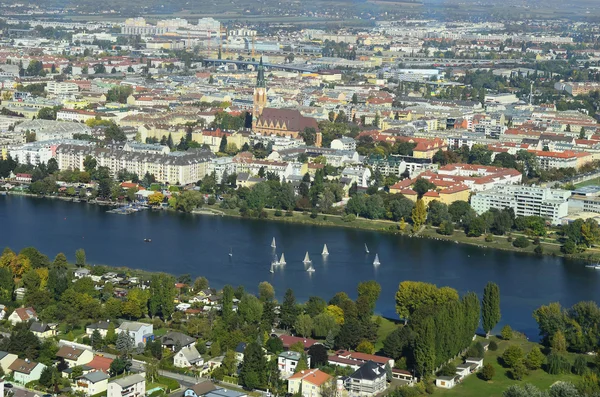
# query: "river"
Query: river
200,244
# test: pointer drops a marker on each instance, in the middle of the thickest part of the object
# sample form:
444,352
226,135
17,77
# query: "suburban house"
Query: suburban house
139,331
188,357
25,371
100,363
355,360
174,340
447,382
92,383
101,326
290,340
43,330
81,272
199,389
239,351
74,357
287,362
22,314
129,386
6,360
311,381
370,379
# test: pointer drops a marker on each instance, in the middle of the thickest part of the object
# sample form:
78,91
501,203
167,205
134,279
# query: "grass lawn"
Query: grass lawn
591,182
472,386
386,327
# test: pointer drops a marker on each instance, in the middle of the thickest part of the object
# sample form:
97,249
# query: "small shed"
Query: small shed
446,382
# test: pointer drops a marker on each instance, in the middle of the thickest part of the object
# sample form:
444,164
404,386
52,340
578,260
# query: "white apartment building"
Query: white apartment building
129,386
58,88
34,153
344,143
221,166
551,204
75,115
174,168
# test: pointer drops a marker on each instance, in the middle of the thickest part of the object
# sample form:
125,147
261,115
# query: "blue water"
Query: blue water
199,245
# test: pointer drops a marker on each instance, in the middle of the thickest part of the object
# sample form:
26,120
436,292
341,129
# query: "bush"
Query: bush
263,214
429,388
278,213
506,332
569,247
487,372
536,241
538,250
580,365
446,228
314,214
513,355
476,350
521,242
489,238
493,346
518,371
535,358
349,218
289,213
212,200
557,364
509,239
448,370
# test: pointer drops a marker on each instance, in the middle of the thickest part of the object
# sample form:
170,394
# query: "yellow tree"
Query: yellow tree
43,273
419,214
156,198
336,312
20,266
8,256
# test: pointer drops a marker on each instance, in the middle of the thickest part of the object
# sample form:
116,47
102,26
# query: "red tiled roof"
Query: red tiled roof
290,340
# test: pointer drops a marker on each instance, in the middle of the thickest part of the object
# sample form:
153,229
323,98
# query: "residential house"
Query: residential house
101,326
43,330
290,340
225,393
25,371
447,382
129,386
100,363
188,357
287,362
476,363
140,332
6,360
359,175
73,356
91,383
403,377
81,273
310,381
199,389
346,358
22,314
176,340
369,380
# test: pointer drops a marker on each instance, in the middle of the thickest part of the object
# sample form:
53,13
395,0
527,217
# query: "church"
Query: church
269,121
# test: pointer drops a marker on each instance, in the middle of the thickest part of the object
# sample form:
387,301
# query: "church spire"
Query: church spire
260,78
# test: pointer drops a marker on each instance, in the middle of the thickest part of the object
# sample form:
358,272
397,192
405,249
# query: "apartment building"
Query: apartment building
129,386
551,204
58,88
174,168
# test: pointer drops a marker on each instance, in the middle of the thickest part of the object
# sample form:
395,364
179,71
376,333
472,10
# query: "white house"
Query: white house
369,380
188,357
101,326
74,357
92,383
446,382
287,362
129,386
6,360
22,314
476,363
25,371
139,331
358,175
43,330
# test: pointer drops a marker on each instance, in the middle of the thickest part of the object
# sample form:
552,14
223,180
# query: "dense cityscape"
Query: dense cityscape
434,121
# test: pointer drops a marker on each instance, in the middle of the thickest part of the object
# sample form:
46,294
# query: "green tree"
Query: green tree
513,355
289,311
250,309
60,261
303,325
412,295
80,257
266,292
253,372
370,290
558,342
490,307
162,295
488,372
535,358
419,214
506,332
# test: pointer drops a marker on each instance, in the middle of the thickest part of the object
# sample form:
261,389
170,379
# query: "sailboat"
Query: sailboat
275,261
311,269
272,271
230,252
306,259
282,260
325,251
366,249
273,245
376,261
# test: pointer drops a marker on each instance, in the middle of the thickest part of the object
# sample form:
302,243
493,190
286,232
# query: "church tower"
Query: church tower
260,94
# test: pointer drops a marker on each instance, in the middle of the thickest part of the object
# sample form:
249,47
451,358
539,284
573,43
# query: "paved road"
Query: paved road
20,391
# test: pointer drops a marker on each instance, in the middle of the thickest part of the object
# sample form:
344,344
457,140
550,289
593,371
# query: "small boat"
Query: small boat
230,252
325,251
306,259
271,271
282,260
275,261
311,269
273,245
376,261
147,240
366,249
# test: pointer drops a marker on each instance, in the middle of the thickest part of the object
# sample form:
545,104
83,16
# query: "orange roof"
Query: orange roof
313,376
432,193
454,189
100,363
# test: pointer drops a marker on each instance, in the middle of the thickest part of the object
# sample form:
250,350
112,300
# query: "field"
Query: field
386,327
472,386
591,182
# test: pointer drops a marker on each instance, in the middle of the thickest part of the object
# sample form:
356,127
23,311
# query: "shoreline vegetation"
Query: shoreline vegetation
500,242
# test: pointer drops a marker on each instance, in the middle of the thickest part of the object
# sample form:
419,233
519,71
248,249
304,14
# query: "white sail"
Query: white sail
306,258
376,261
310,269
272,271
275,261
273,245
282,260
366,248
325,251
230,251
